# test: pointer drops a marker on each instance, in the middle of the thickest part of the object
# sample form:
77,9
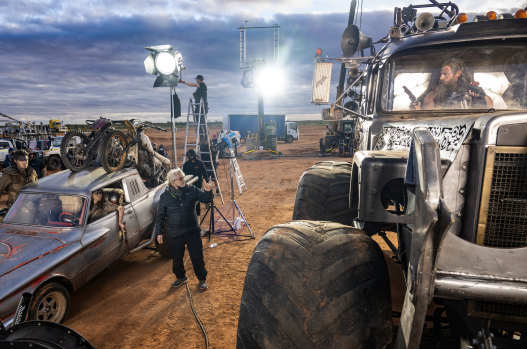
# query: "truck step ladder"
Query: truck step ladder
197,138
237,172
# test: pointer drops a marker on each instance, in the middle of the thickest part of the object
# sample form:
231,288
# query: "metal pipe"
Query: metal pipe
463,287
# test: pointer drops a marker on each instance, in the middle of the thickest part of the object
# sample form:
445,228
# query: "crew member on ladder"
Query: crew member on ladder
199,94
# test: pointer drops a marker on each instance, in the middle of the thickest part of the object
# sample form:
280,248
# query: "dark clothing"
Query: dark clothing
8,162
177,208
197,168
195,251
37,164
13,180
201,93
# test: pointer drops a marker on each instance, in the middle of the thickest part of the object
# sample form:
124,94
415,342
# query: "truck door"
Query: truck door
292,129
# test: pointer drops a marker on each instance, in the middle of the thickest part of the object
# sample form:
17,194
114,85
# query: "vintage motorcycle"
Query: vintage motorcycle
115,149
78,151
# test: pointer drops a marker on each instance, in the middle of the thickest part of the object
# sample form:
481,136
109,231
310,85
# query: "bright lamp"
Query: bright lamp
166,63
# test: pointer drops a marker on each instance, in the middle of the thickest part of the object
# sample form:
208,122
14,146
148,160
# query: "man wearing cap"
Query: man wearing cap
200,93
15,177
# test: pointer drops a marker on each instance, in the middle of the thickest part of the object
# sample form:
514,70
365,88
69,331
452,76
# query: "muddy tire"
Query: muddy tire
76,157
323,193
53,163
289,139
114,155
315,285
51,302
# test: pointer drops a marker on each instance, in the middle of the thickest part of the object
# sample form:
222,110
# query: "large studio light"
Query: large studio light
166,63
269,80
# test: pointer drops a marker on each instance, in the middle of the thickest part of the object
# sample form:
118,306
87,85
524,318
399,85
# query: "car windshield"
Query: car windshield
459,77
47,209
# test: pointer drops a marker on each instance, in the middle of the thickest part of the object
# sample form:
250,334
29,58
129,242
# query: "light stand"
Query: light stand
173,124
167,64
231,231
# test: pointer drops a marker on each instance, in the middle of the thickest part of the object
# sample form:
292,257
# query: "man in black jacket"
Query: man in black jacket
196,167
177,207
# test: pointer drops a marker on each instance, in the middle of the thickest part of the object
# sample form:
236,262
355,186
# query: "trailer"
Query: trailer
248,123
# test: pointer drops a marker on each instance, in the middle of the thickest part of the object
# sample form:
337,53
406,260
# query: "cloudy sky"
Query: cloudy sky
77,60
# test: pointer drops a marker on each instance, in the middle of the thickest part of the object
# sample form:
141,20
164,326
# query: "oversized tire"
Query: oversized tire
51,302
315,285
114,151
53,163
289,139
323,193
77,157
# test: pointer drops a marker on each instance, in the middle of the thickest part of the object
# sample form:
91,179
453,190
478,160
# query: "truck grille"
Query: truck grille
498,311
503,213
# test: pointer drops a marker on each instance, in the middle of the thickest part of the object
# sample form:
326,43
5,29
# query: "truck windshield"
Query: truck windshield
57,141
466,76
47,209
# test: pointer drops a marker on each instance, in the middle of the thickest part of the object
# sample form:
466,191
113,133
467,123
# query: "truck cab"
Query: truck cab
291,132
439,175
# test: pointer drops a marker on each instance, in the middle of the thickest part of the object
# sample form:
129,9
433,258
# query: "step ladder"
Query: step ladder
237,172
197,138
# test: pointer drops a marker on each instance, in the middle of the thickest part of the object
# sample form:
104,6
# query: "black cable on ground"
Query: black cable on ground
197,318
192,301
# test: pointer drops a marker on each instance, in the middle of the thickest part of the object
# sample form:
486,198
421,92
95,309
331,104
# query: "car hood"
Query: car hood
18,248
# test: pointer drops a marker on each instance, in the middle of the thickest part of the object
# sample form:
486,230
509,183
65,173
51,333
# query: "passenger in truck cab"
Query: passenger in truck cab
455,90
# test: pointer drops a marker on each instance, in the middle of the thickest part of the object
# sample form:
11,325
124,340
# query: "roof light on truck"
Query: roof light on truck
521,13
461,18
492,15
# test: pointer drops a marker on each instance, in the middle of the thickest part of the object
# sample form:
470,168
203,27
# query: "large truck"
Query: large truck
248,123
440,176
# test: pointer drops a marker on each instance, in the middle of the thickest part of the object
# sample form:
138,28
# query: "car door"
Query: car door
104,242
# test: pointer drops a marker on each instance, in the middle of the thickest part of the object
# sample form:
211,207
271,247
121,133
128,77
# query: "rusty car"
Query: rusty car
50,248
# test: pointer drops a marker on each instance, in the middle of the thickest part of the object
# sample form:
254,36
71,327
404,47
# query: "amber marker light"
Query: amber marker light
461,18
521,13
491,15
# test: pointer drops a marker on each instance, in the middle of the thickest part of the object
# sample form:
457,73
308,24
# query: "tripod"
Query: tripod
231,231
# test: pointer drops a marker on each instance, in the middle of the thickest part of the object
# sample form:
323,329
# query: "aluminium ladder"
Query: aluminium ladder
237,172
197,138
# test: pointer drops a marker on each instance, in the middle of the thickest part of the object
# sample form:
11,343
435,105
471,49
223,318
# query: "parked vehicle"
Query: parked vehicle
245,124
343,139
449,178
50,248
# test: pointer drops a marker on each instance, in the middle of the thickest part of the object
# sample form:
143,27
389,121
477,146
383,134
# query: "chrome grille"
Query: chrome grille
506,216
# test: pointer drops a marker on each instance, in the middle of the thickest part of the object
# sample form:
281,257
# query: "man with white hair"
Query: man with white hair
177,208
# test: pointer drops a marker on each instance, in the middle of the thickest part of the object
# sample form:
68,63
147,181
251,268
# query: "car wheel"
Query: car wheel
315,285
323,193
53,163
289,139
50,302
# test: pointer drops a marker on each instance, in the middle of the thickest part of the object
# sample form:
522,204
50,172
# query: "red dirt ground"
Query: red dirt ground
131,304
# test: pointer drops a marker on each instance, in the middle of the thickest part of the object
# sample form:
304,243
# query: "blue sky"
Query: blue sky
77,60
